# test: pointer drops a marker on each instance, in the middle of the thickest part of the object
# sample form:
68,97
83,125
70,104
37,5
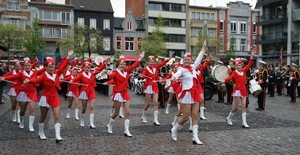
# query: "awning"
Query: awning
131,57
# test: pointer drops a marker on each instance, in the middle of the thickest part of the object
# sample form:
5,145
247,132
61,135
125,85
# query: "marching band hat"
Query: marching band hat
231,59
293,64
177,57
220,62
16,61
243,59
26,60
50,61
122,58
87,63
75,68
151,57
262,62
188,55
161,57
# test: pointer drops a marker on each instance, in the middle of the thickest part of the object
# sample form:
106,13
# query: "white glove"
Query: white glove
291,78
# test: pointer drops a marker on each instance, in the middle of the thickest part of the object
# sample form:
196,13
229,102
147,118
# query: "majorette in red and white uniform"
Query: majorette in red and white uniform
87,91
27,92
120,80
151,74
73,90
240,77
174,84
14,87
50,82
190,85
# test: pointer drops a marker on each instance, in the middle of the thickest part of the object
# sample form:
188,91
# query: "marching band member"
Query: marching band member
294,77
119,77
27,93
14,91
189,97
72,93
221,93
279,81
162,73
49,96
150,72
230,84
240,91
272,80
87,91
248,76
262,76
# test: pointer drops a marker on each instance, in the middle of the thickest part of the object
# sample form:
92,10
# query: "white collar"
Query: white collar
50,77
88,76
28,75
151,71
121,73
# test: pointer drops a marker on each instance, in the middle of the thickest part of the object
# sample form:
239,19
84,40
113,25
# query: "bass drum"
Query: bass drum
219,73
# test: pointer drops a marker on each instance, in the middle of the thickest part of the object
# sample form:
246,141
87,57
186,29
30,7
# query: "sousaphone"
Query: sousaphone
98,60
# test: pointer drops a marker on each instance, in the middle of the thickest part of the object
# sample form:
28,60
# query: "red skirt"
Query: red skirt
49,101
154,88
122,96
201,90
194,92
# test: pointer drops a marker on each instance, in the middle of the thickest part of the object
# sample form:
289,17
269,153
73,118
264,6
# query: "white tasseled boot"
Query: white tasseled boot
14,115
202,113
21,125
174,131
68,113
178,106
57,132
143,118
109,125
126,131
121,112
191,124
111,111
76,114
155,121
167,108
18,116
245,125
195,135
92,126
175,121
82,120
31,120
41,134
229,118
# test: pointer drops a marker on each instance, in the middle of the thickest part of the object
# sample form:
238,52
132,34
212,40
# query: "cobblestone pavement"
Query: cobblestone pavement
273,131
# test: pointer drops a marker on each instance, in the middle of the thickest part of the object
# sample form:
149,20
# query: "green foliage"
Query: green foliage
83,39
154,43
212,43
231,52
117,56
34,39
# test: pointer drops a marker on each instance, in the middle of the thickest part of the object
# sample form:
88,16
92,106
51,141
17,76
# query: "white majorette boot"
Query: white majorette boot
178,106
155,121
143,118
14,115
57,132
68,113
41,132
167,108
76,114
31,120
21,125
18,116
195,135
191,124
82,120
202,113
121,112
92,126
126,131
245,125
229,118
175,121
111,111
109,125
174,131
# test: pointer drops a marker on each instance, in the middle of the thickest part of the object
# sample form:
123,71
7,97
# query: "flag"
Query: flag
41,55
280,57
57,55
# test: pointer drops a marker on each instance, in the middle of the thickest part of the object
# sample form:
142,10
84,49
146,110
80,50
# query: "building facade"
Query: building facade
127,34
176,14
96,15
280,24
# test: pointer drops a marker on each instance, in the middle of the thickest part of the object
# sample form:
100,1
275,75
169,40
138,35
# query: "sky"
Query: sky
119,5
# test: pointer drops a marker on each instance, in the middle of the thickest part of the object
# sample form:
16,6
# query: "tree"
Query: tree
12,37
83,39
212,43
154,43
34,42
231,52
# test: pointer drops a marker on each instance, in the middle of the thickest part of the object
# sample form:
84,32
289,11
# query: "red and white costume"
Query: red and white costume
190,85
200,77
73,90
50,83
14,87
240,79
151,74
174,85
87,91
120,80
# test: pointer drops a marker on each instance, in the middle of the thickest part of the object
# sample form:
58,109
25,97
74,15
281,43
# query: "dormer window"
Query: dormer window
129,26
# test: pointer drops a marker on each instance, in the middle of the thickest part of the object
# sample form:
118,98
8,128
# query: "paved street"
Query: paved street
273,131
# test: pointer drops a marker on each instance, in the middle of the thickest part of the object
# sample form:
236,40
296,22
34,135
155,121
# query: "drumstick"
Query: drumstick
74,83
10,81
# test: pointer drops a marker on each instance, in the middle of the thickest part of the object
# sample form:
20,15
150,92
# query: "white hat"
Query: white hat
262,62
220,62
231,59
177,57
161,57
243,59
293,64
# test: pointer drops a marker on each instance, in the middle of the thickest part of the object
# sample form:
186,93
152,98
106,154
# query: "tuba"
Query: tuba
98,60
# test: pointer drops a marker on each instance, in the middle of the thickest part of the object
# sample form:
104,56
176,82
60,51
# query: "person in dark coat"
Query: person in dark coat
2,83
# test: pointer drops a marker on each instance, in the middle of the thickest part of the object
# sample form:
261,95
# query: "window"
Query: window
234,43
153,6
202,16
233,26
175,38
9,6
129,26
221,25
56,16
119,42
195,31
198,15
207,17
243,27
179,53
193,49
221,44
212,16
17,6
176,22
212,32
50,49
16,22
65,18
93,23
106,24
106,41
254,45
129,43
151,21
80,22
48,15
243,45
254,28
194,15
51,33
140,43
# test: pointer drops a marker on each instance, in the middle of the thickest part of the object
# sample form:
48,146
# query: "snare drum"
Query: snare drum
254,88
221,87
219,73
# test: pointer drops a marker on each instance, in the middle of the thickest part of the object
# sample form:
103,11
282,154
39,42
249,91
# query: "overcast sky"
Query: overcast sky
119,5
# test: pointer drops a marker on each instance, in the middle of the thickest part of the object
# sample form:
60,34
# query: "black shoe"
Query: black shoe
259,109
279,95
161,107
228,103
292,101
1,102
219,102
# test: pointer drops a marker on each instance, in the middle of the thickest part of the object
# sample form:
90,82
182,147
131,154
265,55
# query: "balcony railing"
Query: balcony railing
271,18
203,21
274,37
267,2
296,15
